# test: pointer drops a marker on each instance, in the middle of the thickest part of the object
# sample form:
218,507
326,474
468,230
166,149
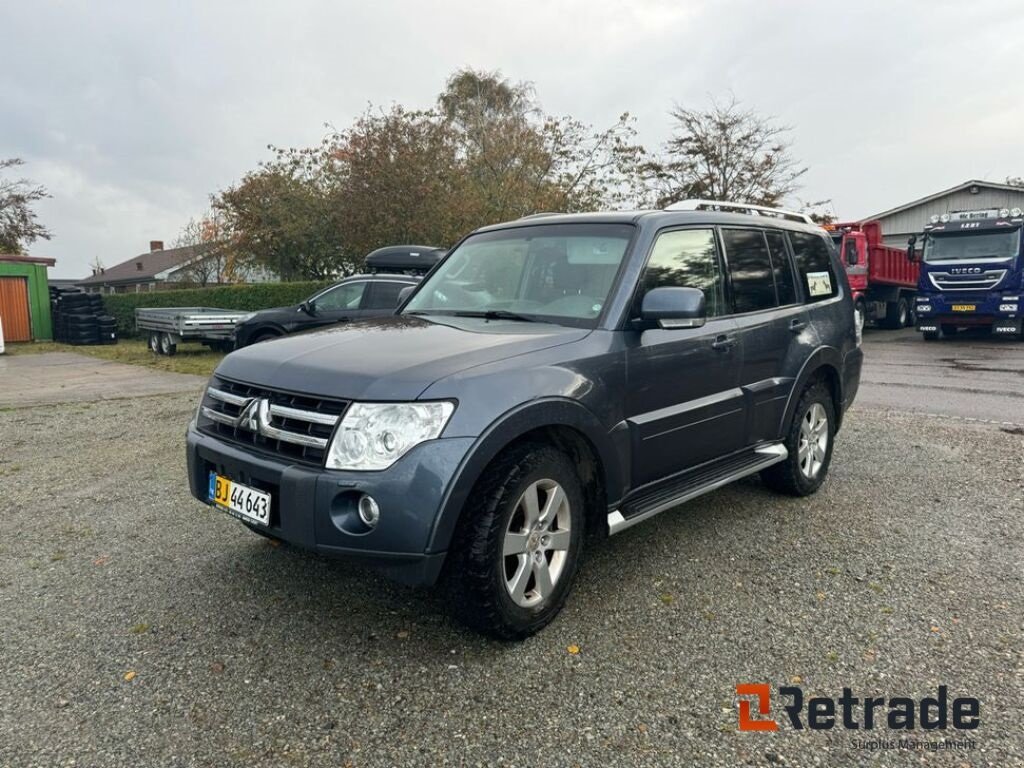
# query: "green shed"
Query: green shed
25,298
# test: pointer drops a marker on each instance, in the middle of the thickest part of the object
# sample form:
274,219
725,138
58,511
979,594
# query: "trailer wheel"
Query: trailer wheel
154,343
167,347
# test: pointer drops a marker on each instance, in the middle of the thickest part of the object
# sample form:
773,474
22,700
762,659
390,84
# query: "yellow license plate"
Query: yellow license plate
964,307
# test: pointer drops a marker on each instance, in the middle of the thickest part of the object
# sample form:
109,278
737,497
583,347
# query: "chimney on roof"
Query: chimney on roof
156,245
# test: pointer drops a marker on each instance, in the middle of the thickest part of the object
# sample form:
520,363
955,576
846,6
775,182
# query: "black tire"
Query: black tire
154,343
903,313
167,347
265,336
476,573
892,315
949,330
787,476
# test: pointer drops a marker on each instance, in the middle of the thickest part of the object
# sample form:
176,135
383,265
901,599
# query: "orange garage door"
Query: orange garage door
14,309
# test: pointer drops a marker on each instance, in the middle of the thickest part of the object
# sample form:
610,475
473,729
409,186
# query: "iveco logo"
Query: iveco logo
254,414
965,270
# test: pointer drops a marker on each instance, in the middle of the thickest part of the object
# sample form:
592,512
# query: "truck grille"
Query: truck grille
979,281
298,427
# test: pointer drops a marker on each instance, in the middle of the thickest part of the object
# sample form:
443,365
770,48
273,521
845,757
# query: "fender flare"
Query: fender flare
513,424
822,357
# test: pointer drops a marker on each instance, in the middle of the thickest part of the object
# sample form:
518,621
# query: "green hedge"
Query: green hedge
246,297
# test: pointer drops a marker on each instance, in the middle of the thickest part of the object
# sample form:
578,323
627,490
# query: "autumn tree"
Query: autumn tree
214,261
19,226
282,218
725,153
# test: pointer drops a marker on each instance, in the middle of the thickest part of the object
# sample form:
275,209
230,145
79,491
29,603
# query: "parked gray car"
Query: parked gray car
552,376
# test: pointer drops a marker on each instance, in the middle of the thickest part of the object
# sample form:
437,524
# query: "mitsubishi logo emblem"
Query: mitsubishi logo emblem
255,414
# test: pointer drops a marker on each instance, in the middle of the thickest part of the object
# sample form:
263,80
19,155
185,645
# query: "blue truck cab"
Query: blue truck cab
972,273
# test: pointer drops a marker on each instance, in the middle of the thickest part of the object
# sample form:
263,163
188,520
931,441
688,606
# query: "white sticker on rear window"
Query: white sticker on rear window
819,284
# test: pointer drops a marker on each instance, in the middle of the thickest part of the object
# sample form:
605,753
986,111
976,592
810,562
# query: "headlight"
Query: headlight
373,436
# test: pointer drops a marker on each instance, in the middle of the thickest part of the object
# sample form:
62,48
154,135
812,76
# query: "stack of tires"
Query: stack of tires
79,318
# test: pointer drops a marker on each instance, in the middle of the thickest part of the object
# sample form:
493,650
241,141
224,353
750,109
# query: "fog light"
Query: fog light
369,512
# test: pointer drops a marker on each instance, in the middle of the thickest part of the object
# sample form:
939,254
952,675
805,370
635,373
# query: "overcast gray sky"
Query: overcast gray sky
132,113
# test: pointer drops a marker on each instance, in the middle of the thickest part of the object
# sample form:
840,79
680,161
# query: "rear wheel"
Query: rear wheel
167,346
515,557
154,343
809,443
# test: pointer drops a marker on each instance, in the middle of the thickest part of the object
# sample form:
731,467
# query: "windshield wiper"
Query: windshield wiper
496,314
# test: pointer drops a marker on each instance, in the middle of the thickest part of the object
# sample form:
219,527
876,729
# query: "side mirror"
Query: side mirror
309,307
911,253
851,255
404,294
673,308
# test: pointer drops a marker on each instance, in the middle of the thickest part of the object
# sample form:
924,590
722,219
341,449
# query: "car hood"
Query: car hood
391,358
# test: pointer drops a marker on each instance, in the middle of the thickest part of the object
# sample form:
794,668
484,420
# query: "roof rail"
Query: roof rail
747,208
539,215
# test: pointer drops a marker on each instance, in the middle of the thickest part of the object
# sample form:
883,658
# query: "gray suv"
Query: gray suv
552,376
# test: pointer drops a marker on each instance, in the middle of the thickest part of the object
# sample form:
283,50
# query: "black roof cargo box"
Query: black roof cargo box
410,259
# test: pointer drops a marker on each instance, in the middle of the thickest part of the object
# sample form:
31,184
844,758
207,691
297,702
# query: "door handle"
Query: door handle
724,342
796,325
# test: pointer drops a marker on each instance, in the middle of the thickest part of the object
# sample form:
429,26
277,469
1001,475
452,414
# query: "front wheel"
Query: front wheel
515,557
809,443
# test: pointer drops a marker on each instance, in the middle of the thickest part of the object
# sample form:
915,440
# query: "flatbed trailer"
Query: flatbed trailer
170,326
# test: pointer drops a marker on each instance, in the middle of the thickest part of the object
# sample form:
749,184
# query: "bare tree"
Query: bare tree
725,153
18,224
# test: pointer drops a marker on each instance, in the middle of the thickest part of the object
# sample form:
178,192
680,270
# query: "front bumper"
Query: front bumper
313,507
968,309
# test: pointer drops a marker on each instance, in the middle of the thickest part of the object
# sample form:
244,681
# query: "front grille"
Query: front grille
978,281
294,426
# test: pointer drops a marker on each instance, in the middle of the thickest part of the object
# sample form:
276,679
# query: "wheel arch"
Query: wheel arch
824,363
563,423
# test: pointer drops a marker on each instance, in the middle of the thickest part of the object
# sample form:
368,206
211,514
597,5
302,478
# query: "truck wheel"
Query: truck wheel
515,556
809,443
949,330
892,316
154,343
903,313
861,315
167,347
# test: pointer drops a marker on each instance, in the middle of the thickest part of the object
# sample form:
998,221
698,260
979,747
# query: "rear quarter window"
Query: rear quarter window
813,259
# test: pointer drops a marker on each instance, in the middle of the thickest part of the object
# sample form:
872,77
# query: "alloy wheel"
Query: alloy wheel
813,445
536,543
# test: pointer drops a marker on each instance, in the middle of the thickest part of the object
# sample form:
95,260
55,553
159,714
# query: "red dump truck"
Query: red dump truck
883,281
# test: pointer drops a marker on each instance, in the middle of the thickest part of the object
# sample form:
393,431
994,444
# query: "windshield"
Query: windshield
960,246
560,273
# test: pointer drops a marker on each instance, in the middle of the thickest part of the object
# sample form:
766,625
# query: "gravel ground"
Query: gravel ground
139,628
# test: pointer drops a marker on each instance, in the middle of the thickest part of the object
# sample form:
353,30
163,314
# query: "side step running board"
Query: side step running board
694,484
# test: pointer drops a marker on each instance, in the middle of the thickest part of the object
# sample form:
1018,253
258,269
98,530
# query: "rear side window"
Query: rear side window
384,294
750,268
687,258
343,297
782,269
814,265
